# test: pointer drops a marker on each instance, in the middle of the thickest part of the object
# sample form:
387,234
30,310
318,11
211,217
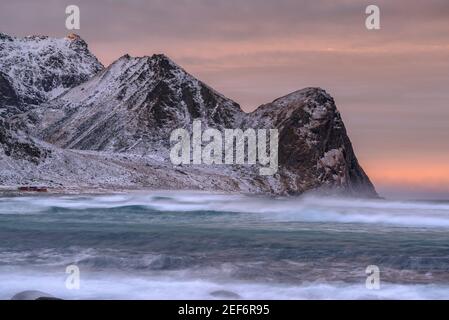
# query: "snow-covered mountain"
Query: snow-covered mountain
112,128
132,106
40,68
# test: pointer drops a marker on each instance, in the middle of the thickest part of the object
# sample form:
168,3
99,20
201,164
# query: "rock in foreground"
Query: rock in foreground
33,295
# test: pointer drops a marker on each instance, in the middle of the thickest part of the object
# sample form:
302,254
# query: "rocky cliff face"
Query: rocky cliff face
112,129
9,102
314,148
19,146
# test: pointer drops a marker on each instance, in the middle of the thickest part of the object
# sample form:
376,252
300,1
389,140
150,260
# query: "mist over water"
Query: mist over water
175,245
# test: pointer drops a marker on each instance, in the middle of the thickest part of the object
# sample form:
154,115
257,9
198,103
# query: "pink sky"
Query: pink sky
391,85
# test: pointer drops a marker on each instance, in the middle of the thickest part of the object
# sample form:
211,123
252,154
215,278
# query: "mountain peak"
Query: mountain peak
164,59
315,92
77,41
156,95
73,36
41,68
159,59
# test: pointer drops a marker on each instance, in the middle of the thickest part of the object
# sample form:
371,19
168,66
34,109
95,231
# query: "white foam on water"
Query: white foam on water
100,286
17,272
306,209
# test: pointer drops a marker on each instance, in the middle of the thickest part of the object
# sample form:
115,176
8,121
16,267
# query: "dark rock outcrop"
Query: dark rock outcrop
18,145
33,295
9,102
8,96
314,148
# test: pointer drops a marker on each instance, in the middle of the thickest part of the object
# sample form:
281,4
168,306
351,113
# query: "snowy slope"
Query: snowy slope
133,105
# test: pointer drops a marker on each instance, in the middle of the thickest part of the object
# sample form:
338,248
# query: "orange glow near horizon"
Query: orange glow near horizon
409,173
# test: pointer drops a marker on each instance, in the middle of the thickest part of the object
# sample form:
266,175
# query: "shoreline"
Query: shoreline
6,191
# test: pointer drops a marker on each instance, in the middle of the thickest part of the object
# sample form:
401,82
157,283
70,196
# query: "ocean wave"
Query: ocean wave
96,260
301,209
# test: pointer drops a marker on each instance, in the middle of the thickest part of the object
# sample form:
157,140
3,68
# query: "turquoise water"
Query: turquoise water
199,245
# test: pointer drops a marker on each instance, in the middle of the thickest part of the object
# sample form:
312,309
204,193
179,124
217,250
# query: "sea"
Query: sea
196,245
